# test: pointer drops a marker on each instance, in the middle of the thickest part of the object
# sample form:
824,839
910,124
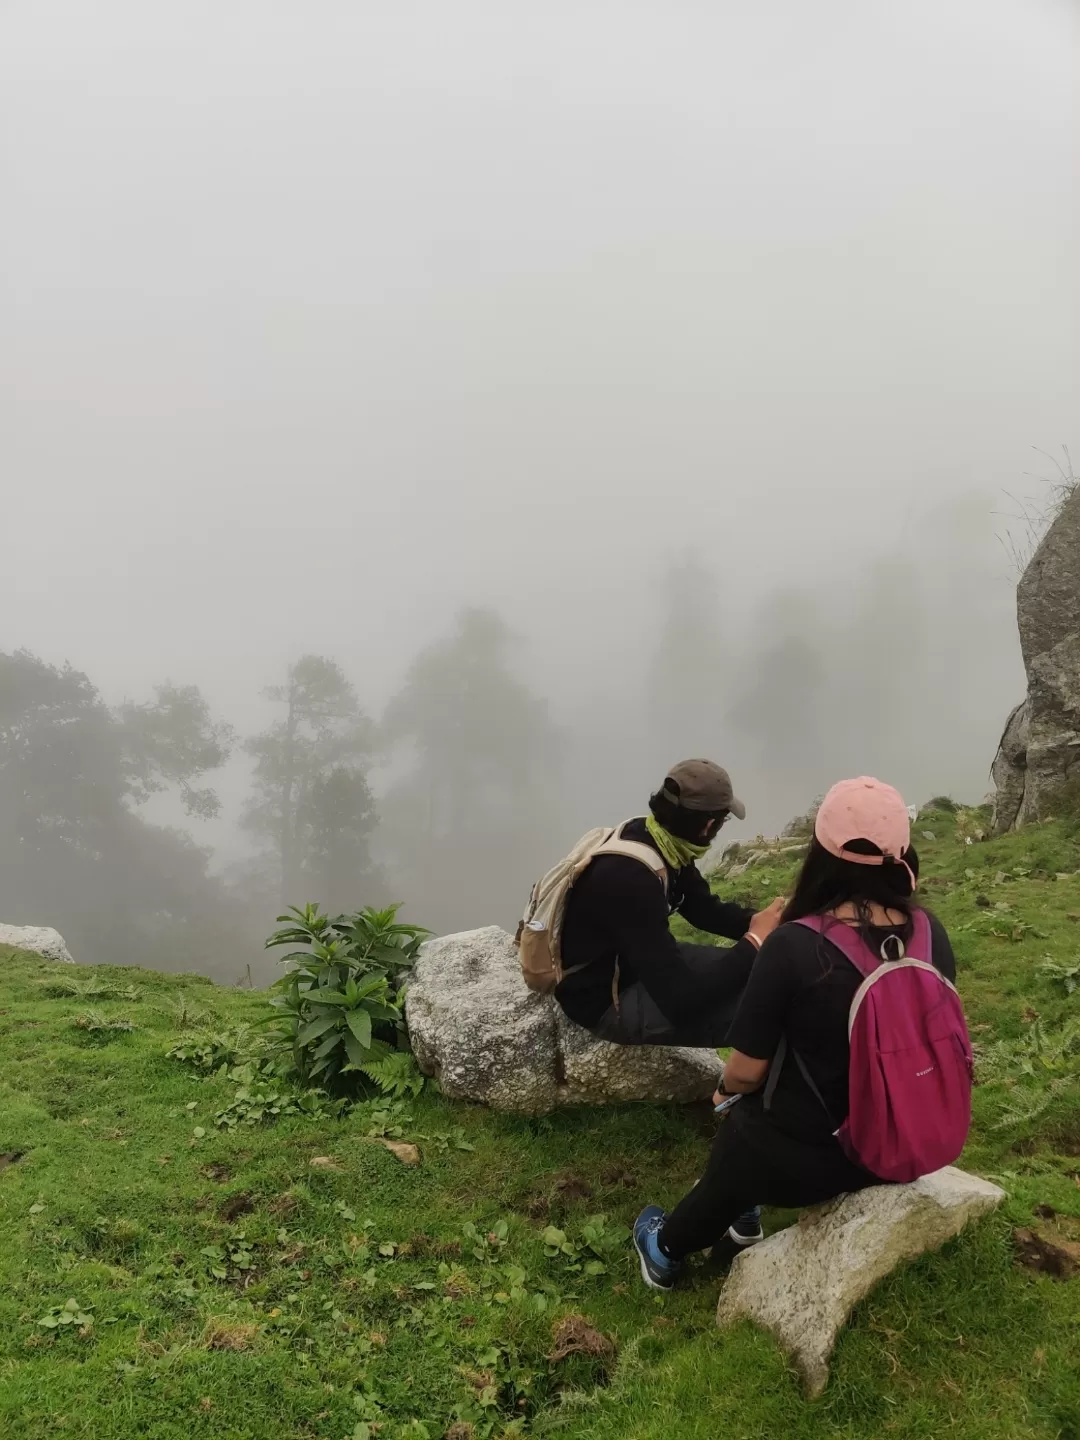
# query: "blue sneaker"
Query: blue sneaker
747,1228
657,1270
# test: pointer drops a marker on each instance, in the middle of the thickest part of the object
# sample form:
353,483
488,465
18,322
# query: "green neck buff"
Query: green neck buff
676,852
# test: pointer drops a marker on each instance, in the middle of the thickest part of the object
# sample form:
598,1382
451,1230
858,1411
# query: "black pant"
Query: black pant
640,1021
752,1162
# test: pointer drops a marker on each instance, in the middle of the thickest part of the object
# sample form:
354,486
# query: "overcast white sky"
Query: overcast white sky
320,318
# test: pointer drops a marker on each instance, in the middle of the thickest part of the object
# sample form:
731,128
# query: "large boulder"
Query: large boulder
1039,754
475,1026
803,1282
40,939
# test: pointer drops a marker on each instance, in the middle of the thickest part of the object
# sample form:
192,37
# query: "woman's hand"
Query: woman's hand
765,921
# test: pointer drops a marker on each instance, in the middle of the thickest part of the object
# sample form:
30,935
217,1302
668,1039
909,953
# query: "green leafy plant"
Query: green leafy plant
260,1100
486,1244
340,1008
1032,1069
234,1258
1063,974
102,1028
588,1256
217,1050
71,987
70,1313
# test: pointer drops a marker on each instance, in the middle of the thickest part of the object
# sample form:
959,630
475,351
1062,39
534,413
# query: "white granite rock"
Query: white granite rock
40,939
803,1282
475,1026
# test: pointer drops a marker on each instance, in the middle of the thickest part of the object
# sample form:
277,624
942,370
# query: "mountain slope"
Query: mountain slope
238,1290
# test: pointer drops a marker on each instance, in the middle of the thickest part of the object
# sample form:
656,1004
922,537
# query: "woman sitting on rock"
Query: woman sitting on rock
792,1137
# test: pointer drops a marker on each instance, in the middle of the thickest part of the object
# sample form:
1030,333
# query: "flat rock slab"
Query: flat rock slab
475,1026
39,939
803,1282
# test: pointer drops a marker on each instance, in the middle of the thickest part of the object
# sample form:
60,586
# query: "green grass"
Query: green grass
122,1189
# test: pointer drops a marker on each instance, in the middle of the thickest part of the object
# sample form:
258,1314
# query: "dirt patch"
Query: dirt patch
285,1204
235,1206
10,1157
1036,1250
1066,1138
422,1245
619,1176
548,1198
460,1430
572,1186
324,1162
226,1335
573,1335
218,1173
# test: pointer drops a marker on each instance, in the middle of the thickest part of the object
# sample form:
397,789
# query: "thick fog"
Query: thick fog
593,384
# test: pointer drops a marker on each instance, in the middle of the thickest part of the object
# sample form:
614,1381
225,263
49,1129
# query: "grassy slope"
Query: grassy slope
116,1199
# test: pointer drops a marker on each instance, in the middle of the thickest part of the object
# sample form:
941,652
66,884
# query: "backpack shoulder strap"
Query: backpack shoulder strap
846,939
852,946
777,1065
634,850
922,941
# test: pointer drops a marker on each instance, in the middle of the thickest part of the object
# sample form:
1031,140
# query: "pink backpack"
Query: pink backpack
911,1067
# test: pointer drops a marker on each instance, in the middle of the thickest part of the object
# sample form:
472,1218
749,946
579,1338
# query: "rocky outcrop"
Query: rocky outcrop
475,1026
39,939
803,1282
1038,760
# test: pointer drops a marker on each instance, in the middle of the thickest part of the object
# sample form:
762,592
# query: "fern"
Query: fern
1067,975
395,1073
1024,1106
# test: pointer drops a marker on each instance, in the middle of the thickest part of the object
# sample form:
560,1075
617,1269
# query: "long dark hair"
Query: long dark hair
825,883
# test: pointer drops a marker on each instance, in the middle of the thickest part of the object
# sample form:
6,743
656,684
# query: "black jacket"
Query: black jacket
618,910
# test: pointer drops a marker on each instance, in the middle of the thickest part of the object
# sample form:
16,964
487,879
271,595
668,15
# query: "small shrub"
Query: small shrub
1064,974
100,1028
341,1005
221,1050
71,987
70,1313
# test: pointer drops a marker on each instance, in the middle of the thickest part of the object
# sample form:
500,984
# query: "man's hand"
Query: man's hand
765,921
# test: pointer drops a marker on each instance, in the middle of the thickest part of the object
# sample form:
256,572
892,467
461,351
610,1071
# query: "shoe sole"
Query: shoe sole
649,1281
744,1242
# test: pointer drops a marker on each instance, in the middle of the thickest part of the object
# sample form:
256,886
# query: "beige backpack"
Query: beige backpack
539,935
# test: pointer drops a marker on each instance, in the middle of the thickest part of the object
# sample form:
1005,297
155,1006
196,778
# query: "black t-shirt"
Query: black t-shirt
618,911
802,986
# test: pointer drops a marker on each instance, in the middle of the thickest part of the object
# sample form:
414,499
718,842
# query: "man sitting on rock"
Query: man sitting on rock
625,976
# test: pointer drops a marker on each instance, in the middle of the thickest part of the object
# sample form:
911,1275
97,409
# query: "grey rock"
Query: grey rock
39,939
1039,753
1009,771
802,1283
475,1026
593,1072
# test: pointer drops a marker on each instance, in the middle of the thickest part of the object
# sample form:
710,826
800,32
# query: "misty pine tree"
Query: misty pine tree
310,798
467,819
74,852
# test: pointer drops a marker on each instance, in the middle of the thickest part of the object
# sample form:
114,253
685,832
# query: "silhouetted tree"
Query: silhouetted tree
470,815
690,681
310,797
74,852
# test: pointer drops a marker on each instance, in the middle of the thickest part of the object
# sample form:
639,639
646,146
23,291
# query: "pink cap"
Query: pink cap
864,809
